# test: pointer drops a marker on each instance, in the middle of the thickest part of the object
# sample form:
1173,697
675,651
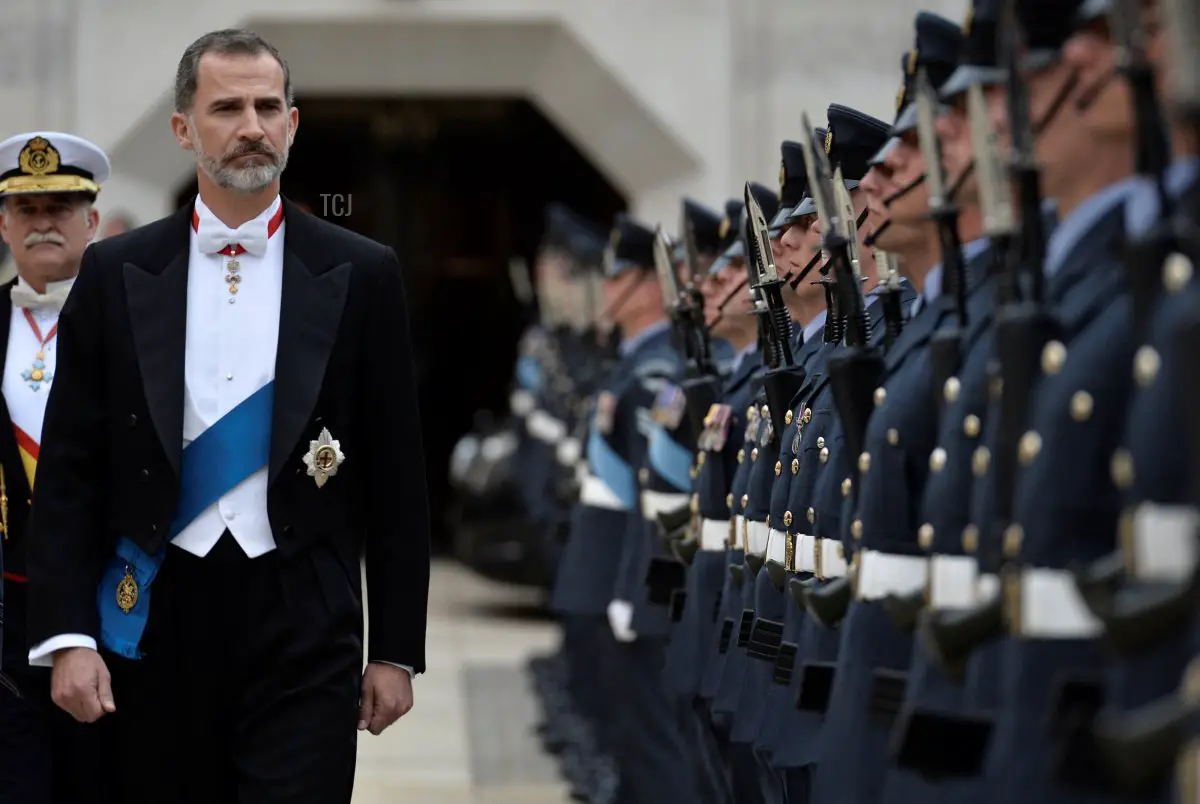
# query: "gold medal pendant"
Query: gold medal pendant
127,592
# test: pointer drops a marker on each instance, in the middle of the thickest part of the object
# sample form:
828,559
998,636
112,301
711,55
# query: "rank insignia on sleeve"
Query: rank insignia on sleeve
669,407
324,457
606,412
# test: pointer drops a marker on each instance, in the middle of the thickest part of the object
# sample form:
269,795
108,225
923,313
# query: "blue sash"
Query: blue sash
221,457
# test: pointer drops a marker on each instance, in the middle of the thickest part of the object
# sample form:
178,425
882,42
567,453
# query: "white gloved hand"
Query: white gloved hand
620,618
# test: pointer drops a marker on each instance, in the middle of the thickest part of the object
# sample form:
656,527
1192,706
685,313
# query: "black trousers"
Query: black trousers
46,757
249,687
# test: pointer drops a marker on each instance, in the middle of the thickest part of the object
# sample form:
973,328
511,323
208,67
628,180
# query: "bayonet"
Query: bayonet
849,220
758,251
668,280
995,197
691,252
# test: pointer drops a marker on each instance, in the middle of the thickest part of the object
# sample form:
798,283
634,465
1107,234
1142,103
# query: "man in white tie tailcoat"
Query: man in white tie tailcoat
235,429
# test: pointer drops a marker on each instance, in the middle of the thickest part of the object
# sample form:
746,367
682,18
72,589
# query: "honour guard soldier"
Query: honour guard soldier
895,460
641,732
214,469
923,745
851,139
719,456
1067,489
48,184
1152,620
753,507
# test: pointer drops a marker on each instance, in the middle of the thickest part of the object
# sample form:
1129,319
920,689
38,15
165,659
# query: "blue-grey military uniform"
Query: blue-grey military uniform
881,531
640,731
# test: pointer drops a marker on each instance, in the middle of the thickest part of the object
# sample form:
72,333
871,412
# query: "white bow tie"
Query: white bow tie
27,298
212,236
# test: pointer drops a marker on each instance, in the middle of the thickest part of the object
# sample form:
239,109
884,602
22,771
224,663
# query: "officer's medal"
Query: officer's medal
127,591
324,457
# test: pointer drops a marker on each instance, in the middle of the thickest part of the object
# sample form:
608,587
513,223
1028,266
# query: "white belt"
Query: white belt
658,502
520,402
569,451
806,553
777,546
756,537
829,559
953,582
739,530
714,534
1050,606
884,574
595,492
545,427
1163,545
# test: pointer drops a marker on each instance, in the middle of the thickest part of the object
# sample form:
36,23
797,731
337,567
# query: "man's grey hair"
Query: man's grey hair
227,42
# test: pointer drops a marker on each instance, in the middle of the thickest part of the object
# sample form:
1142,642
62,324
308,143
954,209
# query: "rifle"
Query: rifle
702,387
784,379
1026,336
858,369
945,347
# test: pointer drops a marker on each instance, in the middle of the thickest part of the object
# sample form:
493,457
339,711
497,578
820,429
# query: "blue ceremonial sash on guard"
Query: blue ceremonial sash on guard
221,457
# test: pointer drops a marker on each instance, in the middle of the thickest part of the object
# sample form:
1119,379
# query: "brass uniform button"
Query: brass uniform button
1082,406
795,466
1145,366
787,417
925,536
864,462
742,455
824,455
996,386
971,426
1177,272
951,390
980,461
812,516
700,458
880,396
745,501
847,484
1014,534
937,460
1054,355
1122,469
1028,447
754,454
750,412
729,501
856,529
787,519
766,412
893,437
820,442
778,468
970,539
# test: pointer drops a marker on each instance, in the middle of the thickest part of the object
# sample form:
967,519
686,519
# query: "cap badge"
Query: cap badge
38,157
829,140
911,67
724,230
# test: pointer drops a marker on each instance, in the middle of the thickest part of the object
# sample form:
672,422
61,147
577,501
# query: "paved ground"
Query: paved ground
468,739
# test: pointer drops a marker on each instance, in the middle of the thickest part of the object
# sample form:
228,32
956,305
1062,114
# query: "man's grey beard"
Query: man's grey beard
248,179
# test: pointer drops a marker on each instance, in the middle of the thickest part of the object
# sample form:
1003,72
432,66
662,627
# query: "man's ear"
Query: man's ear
181,127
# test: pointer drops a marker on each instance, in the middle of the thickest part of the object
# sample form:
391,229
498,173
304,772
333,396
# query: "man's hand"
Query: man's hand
386,697
80,684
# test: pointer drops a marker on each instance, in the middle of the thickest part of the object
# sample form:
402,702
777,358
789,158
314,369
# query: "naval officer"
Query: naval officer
48,186
233,425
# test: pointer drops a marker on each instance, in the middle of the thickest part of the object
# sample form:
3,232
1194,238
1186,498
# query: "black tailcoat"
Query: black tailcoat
113,432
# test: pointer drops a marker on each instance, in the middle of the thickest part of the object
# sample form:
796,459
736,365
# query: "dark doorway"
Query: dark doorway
457,187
